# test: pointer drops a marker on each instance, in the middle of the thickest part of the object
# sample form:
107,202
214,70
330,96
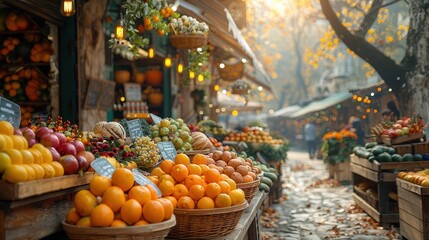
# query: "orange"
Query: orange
196,192
118,223
179,172
27,156
180,190
15,173
223,177
5,142
140,193
205,203
114,197
194,169
123,178
37,156
186,202
204,168
247,178
102,216
99,184
19,142
46,154
49,170
199,159
131,211
166,177
168,207
231,183
212,176
84,222
166,187
153,192
237,196
223,200
31,174
157,172
182,158
212,190
140,223
39,171
84,202
166,165
173,200
6,128
15,155
192,180
5,161
153,179
153,211
72,216
59,169
224,187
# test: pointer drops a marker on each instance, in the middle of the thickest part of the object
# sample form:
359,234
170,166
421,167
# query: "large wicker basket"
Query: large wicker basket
240,91
231,72
206,223
250,188
156,231
188,41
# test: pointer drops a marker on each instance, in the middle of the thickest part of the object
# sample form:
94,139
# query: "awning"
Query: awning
285,112
235,102
322,104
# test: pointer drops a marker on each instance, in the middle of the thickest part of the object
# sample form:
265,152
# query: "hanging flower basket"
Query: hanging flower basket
240,91
188,33
231,72
240,87
188,41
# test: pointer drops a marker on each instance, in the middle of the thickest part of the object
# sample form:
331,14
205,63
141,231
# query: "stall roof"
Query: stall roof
285,112
235,102
322,104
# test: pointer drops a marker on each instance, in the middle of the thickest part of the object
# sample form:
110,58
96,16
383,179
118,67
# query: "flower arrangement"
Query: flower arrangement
337,146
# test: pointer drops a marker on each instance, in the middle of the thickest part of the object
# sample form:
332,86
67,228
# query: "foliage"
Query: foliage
337,146
198,60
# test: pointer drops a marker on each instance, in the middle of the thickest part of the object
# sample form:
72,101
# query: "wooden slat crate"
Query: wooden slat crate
421,148
413,210
403,148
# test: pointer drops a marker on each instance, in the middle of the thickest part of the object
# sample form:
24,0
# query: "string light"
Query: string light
200,78
355,97
222,65
167,61
359,99
379,89
234,113
191,75
122,99
260,88
243,60
216,87
151,52
180,67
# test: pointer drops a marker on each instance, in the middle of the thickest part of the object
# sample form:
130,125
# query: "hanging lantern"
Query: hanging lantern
151,53
67,8
120,30
167,61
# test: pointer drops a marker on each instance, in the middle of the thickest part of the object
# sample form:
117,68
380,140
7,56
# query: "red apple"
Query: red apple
40,132
88,156
70,164
28,133
61,137
83,163
55,154
66,148
50,140
17,131
31,142
78,145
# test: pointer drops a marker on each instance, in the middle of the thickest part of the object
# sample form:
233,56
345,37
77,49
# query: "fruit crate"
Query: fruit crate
383,175
413,210
404,139
403,149
421,148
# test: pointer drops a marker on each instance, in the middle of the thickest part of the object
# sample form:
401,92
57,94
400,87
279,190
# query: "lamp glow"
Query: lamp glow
216,87
119,30
191,75
234,113
200,78
243,60
222,65
151,53
67,8
180,67
167,61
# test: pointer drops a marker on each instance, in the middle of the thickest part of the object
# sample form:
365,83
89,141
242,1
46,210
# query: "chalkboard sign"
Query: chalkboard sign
93,93
155,118
103,167
107,98
142,180
167,149
135,128
133,92
10,111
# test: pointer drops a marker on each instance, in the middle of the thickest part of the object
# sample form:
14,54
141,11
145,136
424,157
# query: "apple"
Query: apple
55,154
61,137
28,133
406,130
78,145
50,140
31,142
17,131
83,163
397,126
70,164
40,132
392,133
66,148
399,132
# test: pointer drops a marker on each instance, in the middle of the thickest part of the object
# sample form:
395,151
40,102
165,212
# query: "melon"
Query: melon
200,141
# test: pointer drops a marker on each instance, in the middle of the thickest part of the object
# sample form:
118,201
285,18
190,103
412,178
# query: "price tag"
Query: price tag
135,128
155,118
142,180
10,111
103,167
167,149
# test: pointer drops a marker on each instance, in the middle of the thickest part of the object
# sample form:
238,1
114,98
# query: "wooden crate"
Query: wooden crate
404,139
421,148
413,210
342,172
402,149
15,191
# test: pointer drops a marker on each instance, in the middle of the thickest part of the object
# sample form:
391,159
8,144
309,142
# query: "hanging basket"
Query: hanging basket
232,72
188,41
240,91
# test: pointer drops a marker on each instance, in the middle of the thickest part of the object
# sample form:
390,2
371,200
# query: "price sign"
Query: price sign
155,118
135,128
167,149
103,167
142,180
10,111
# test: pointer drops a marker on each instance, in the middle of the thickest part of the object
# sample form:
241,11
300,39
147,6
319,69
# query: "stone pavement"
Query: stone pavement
314,207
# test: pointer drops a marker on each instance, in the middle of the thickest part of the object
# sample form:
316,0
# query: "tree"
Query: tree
409,78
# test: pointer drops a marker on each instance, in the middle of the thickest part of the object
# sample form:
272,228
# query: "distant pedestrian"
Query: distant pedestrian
395,114
360,133
310,138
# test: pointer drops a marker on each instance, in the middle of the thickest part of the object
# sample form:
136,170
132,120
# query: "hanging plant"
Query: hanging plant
198,64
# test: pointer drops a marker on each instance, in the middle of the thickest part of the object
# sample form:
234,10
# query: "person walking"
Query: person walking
310,138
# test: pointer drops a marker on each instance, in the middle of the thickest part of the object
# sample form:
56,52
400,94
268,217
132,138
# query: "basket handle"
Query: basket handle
172,28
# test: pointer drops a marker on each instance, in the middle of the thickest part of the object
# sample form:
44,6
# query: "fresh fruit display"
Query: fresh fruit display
189,25
17,22
420,177
146,152
20,162
174,130
196,185
118,202
200,141
253,135
218,145
116,153
404,127
372,151
212,129
110,129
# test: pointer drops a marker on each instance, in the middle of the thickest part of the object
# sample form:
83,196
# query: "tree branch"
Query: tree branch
388,70
369,18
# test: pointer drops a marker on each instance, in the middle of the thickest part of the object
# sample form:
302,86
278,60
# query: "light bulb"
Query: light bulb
191,75
180,67
167,61
200,78
151,52
67,8
119,30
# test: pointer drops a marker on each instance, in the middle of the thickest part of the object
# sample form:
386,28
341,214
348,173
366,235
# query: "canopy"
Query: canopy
285,112
322,104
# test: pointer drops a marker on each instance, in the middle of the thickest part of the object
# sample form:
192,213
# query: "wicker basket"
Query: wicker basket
206,223
240,91
250,188
150,231
232,72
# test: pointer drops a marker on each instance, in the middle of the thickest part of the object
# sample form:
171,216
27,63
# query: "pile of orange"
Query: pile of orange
18,163
195,185
118,202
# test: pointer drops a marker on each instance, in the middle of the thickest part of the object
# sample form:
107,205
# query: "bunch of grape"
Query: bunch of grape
146,152
174,130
